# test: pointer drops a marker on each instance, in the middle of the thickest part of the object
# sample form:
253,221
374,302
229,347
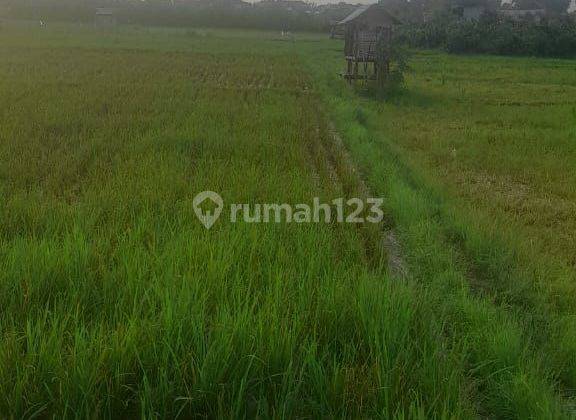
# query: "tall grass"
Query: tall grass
504,294
116,302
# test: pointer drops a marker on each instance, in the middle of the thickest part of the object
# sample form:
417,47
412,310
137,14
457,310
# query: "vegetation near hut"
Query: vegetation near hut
493,35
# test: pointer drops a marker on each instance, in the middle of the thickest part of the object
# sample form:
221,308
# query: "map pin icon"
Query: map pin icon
208,199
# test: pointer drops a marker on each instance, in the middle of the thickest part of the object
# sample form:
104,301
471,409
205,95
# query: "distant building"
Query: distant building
286,5
473,10
221,4
529,11
105,17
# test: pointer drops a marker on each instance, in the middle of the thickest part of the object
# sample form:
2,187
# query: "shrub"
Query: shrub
395,58
491,35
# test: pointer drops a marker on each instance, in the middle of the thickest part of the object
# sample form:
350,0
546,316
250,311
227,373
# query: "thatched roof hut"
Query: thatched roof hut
363,28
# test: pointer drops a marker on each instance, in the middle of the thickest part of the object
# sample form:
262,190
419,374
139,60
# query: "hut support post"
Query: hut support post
349,71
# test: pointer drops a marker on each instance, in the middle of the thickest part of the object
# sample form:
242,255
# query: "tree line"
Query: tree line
491,34
231,13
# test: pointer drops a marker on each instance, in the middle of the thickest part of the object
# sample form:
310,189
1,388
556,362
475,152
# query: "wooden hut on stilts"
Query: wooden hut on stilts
367,38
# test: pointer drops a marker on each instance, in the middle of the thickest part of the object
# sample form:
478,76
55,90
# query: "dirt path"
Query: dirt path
330,160
388,238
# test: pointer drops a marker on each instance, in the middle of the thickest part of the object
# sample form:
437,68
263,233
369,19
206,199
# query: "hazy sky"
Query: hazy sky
572,5
329,1
347,1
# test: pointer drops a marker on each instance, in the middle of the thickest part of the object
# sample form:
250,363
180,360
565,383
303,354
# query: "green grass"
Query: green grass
116,301
461,120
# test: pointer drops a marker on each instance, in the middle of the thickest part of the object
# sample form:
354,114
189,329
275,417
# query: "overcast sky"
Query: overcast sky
572,5
328,1
347,1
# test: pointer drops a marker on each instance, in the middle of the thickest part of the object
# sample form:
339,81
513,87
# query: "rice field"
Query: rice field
117,303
